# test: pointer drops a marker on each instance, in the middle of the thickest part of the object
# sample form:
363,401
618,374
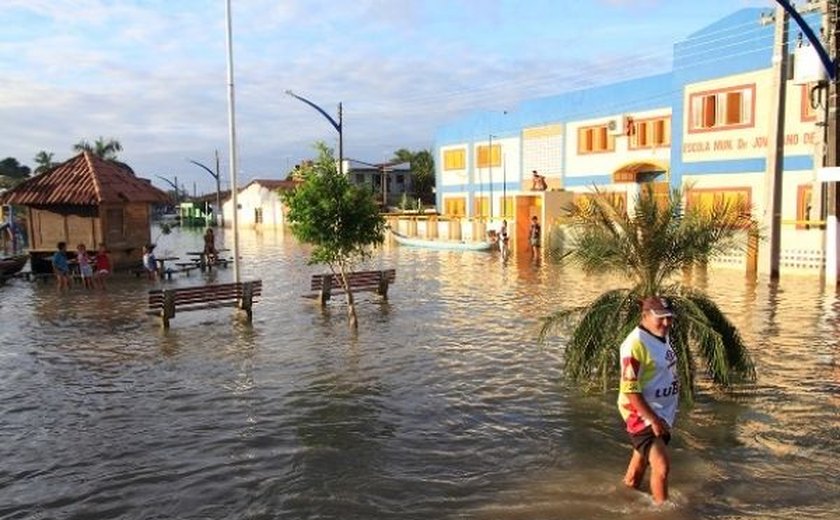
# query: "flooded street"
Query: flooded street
443,406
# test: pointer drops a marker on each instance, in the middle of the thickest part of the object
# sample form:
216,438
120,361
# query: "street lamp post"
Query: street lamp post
174,186
221,219
337,125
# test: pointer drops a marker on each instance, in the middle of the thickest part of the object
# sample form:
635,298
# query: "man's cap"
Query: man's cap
658,306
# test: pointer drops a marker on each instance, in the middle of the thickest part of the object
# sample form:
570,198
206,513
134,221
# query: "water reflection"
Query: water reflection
442,406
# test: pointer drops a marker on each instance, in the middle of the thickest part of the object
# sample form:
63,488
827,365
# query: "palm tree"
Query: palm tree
651,245
101,148
44,160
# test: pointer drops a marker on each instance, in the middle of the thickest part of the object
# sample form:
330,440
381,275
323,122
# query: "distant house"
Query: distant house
87,200
389,181
260,205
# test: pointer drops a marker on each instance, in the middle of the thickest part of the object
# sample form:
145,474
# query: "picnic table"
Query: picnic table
200,258
161,263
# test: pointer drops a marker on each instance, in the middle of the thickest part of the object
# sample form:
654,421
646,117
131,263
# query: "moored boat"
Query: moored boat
11,265
452,245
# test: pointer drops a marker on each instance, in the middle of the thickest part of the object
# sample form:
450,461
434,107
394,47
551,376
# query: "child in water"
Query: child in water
85,269
149,261
101,266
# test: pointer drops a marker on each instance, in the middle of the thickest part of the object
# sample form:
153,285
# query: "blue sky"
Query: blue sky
152,73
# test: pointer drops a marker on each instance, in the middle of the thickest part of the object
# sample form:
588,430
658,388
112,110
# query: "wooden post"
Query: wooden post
168,311
247,300
383,285
326,288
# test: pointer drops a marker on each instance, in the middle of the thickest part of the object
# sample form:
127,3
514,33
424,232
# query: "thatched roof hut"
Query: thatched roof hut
87,200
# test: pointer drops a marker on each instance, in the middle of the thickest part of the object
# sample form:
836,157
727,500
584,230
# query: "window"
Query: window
614,199
258,215
400,179
116,224
487,159
650,133
360,178
722,109
455,159
595,139
706,199
454,206
805,218
482,206
810,97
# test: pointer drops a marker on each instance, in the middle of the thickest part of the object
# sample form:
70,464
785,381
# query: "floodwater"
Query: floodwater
443,406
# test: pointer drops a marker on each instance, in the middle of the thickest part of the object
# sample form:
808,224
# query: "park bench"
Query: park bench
323,286
165,302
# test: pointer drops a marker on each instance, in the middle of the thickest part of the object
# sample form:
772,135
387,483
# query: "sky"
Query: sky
152,74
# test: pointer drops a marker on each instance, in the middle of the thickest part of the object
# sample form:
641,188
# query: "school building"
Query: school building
705,127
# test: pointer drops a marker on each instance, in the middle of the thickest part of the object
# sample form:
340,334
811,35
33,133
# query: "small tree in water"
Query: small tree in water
650,245
340,220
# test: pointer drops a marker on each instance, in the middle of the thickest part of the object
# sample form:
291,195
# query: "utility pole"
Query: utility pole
832,153
776,146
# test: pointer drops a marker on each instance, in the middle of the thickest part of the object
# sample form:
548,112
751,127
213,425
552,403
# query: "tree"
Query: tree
341,220
12,172
101,148
422,168
44,160
650,246
105,150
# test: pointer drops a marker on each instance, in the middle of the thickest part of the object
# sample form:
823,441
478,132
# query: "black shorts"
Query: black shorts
643,440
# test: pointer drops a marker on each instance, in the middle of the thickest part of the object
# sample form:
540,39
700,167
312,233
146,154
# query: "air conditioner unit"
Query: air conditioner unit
615,126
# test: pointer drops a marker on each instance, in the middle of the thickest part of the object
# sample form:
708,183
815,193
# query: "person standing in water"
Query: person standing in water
648,395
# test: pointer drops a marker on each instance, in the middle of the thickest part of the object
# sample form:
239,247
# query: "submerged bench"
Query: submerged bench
325,285
165,302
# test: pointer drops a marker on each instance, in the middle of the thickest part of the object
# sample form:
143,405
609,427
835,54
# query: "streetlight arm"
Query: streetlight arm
320,110
211,172
830,67
174,186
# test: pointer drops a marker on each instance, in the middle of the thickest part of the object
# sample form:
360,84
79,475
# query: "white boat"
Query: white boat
451,245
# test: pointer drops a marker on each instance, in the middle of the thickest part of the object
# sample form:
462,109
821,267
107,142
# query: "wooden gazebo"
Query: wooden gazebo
87,200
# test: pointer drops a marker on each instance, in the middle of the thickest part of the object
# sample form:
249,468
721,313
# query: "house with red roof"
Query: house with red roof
87,200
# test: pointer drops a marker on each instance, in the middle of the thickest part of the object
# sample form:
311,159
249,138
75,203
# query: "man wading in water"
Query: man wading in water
648,395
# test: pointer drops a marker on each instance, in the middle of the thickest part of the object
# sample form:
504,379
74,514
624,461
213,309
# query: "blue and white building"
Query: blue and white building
705,126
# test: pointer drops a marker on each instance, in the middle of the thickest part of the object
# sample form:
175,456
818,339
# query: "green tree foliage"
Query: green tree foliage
341,220
12,172
44,161
102,148
423,170
650,246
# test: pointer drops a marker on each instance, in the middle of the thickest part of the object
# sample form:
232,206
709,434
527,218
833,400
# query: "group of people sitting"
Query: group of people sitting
93,269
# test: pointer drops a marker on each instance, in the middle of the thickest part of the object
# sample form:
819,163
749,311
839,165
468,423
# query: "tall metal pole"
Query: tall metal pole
220,220
340,129
232,143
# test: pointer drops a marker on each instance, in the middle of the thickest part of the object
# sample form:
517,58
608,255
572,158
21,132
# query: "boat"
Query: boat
451,245
11,265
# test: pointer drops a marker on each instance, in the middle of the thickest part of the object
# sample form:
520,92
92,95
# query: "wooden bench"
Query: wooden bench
325,285
165,302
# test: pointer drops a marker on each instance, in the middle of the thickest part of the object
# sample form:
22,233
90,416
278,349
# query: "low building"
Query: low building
260,204
87,200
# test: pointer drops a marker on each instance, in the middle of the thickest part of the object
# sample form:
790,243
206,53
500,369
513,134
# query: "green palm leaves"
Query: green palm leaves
651,245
